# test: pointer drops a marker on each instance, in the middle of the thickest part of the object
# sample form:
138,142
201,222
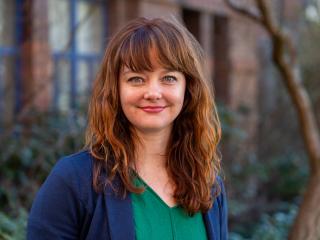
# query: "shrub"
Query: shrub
13,228
29,152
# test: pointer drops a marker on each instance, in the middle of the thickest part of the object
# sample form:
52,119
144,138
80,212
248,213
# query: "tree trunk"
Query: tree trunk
307,222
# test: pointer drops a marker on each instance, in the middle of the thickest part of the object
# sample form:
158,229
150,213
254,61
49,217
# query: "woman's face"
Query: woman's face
151,101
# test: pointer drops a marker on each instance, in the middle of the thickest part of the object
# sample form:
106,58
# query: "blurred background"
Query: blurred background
50,51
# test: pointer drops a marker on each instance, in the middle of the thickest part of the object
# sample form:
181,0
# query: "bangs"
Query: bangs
152,41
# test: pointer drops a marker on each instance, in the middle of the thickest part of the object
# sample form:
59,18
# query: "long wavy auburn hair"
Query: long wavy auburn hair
193,160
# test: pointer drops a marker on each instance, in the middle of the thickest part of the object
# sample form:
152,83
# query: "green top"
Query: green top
154,219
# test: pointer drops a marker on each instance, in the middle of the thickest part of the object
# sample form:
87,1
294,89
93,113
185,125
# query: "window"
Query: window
77,34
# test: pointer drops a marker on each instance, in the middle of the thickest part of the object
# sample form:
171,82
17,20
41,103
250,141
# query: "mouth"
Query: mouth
153,109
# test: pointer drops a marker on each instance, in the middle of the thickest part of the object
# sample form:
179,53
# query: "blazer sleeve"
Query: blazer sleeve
57,208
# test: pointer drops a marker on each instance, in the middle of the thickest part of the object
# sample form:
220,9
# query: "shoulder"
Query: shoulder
63,199
71,175
79,164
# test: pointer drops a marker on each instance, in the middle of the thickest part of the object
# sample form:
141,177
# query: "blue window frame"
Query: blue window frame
73,56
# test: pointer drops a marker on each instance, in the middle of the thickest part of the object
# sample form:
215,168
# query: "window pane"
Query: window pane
59,24
89,35
62,75
83,81
7,89
7,23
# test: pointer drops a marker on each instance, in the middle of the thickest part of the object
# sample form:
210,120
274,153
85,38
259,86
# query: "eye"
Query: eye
170,79
135,80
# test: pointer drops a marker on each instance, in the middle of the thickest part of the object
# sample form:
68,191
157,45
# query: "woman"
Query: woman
151,164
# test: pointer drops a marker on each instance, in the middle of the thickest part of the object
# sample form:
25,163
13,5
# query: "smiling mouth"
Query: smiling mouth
153,109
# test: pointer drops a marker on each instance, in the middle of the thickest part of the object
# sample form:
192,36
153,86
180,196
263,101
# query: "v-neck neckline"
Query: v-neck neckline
154,193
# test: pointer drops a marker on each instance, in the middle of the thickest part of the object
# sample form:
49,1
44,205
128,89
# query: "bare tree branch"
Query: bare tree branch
243,11
282,43
267,20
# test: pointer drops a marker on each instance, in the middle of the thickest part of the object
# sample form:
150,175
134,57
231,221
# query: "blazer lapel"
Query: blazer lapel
211,219
120,214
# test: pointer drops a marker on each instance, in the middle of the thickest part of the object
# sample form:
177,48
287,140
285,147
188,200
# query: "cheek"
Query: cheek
129,99
125,95
124,98
180,93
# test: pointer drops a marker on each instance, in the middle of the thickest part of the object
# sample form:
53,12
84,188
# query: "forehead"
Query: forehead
146,49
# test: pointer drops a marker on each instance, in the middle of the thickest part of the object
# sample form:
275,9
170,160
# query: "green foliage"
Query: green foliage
29,151
13,228
282,177
287,176
275,227
27,154
271,227
278,185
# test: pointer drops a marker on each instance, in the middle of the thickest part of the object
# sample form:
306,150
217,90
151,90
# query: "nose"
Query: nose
153,92
152,95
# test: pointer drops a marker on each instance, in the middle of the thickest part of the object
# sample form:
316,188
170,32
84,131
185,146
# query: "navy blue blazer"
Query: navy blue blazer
67,207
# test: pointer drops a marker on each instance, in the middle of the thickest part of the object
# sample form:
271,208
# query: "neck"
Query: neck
151,151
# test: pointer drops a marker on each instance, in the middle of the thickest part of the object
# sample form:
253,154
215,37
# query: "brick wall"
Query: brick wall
35,57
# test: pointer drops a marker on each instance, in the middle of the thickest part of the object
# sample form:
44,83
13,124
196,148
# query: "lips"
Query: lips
153,109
